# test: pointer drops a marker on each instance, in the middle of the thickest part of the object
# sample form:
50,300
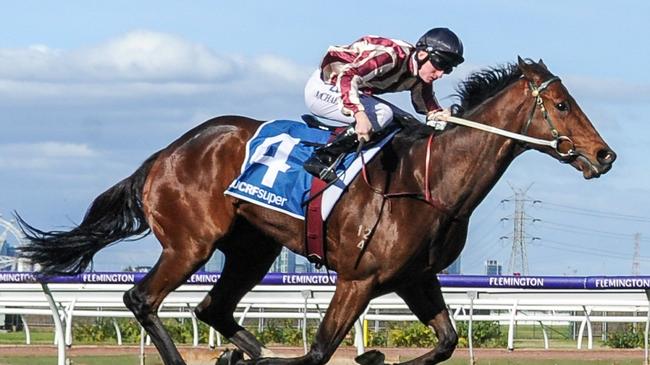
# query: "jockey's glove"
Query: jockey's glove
438,119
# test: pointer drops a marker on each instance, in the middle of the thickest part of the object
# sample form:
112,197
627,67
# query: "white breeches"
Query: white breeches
324,100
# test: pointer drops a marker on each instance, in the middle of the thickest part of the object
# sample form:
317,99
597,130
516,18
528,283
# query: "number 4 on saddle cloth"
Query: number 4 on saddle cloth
272,174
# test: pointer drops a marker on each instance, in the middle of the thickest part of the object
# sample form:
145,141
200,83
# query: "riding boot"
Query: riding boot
324,161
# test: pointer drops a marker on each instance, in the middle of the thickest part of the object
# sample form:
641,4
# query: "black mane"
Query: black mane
477,87
481,85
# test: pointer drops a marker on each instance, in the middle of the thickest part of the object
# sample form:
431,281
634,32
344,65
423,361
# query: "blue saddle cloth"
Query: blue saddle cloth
272,174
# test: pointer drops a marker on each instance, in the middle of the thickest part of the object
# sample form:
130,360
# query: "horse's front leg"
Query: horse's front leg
349,301
424,298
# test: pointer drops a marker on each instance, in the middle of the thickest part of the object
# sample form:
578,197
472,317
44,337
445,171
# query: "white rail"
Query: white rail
508,306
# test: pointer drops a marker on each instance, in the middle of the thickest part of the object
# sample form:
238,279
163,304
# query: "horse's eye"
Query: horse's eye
562,106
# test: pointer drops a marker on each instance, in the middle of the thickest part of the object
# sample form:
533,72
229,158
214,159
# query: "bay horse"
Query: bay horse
178,194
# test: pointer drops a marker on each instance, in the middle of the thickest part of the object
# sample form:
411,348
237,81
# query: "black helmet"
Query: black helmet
444,48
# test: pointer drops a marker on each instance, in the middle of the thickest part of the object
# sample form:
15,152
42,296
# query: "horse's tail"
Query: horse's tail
114,215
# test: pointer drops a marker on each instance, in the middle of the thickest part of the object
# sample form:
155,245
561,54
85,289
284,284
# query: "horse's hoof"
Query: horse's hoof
372,357
230,357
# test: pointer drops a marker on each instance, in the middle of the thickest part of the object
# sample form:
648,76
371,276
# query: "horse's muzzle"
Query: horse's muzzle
592,169
606,156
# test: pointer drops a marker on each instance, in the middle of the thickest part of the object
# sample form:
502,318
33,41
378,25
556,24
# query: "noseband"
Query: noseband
536,92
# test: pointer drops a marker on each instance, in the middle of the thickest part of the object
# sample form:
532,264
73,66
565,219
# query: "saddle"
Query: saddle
314,122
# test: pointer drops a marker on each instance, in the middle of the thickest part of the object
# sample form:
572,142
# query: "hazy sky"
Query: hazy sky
90,89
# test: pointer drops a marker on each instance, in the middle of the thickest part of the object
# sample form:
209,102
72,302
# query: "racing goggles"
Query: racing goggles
445,61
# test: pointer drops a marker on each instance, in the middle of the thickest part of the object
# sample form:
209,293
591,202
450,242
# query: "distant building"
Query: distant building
303,267
7,255
6,249
286,262
10,238
493,268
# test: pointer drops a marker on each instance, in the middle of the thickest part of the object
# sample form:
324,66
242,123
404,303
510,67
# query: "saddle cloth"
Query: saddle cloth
272,175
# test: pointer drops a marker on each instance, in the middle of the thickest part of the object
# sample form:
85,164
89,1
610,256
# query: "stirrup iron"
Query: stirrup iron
328,174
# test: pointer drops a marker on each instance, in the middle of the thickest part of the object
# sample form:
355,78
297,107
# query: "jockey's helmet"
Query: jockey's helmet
444,48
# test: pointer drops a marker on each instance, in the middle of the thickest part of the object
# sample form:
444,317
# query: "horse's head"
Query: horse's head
554,114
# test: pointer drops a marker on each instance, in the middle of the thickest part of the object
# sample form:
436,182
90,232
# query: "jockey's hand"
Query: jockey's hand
363,128
438,119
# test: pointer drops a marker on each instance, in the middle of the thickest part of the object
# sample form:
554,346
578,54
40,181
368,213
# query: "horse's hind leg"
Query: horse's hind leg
247,260
144,299
424,298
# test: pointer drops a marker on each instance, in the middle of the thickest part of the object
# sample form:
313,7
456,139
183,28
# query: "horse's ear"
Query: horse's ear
527,69
541,63
521,63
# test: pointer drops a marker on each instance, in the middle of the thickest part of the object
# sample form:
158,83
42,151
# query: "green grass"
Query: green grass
535,331
559,337
18,338
80,360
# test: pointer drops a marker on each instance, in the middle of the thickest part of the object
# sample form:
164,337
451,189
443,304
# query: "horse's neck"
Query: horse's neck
484,157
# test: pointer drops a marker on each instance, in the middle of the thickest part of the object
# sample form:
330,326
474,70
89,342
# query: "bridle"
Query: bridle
554,143
536,92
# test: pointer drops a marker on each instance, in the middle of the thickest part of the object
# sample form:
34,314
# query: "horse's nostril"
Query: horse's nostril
606,156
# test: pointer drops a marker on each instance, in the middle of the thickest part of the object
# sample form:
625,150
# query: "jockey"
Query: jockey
341,89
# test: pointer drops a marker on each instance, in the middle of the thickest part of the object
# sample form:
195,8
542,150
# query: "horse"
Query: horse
417,211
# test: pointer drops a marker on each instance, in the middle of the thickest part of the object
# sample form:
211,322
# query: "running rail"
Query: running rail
308,283
449,281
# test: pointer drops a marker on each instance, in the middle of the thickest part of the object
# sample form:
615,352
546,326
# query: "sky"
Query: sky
90,89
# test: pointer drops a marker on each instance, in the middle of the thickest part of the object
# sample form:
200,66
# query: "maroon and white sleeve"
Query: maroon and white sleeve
368,65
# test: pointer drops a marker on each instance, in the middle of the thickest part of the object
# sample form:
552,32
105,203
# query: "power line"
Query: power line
487,215
488,253
591,251
589,231
519,218
587,252
482,247
592,212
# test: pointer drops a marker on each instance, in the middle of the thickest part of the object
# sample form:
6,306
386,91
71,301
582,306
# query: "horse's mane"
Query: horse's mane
481,85
474,90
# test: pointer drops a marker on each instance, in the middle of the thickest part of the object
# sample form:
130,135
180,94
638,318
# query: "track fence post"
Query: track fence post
647,328
471,295
586,323
195,326
58,326
117,332
306,294
68,322
143,334
545,335
28,338
511,326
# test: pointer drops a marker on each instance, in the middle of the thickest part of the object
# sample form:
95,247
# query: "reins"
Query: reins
554,143
437,204
425,197
536,93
